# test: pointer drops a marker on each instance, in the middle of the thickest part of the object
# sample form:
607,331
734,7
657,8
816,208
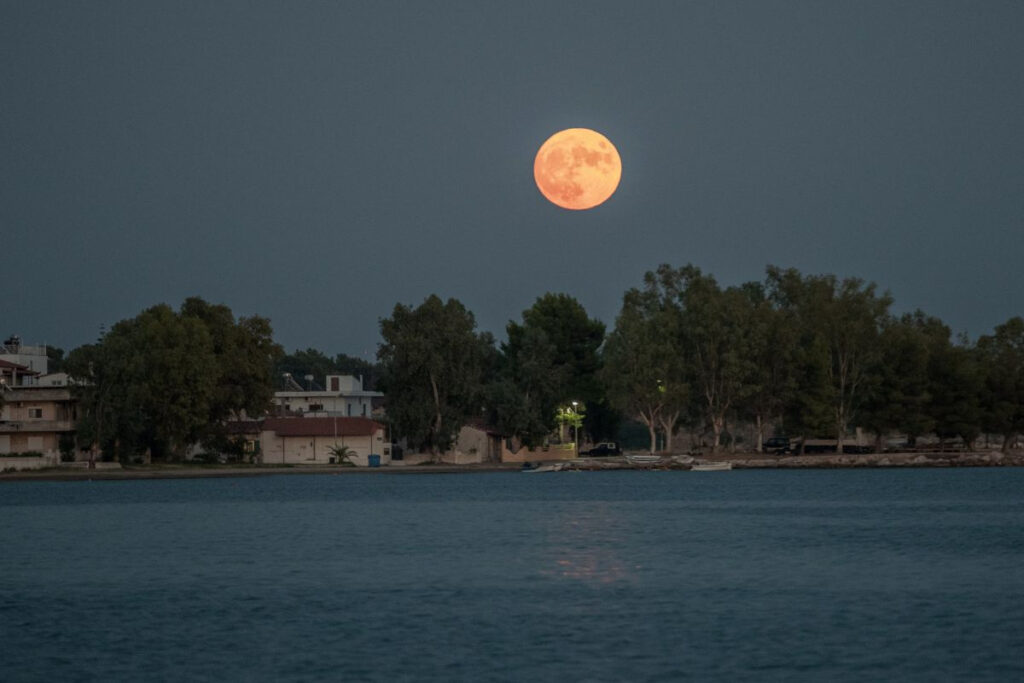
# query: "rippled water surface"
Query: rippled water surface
744,575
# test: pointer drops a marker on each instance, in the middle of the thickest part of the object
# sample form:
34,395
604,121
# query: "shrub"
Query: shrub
67,448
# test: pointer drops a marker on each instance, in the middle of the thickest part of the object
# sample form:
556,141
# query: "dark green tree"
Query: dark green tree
316,363
54,359
161,381
90,385
956,381
711,337
1001,355
521,396
245,353
898,382
148,385
574,340
771,345
431,361
302,363
644,369
839,324
350,365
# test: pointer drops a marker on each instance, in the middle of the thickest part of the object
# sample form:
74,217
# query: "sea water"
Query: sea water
910,575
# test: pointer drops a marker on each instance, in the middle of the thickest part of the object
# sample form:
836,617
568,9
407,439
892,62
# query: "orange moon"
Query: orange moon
577,168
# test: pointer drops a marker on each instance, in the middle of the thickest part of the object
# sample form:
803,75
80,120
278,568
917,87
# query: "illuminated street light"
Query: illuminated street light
576,428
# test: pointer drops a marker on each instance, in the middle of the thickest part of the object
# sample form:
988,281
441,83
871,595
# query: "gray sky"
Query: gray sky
317,162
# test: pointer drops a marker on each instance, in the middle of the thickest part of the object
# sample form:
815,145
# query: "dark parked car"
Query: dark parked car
777,445
604,448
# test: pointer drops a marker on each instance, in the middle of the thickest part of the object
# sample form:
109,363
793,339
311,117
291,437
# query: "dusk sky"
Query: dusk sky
317,162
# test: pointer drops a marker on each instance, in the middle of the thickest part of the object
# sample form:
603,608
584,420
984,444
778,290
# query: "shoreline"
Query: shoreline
738,461
213,472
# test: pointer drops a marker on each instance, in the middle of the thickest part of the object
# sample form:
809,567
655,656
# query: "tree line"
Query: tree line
793,354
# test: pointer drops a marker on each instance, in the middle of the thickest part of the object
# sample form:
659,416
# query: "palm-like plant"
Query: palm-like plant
344,454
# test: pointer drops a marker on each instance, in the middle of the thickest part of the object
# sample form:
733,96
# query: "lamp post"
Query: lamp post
576,429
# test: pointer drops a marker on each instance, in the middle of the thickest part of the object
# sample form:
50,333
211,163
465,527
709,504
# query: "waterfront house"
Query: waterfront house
36,417
479,443
309,440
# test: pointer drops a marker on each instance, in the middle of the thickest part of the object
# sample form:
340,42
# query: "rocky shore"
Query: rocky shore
821,461
931,459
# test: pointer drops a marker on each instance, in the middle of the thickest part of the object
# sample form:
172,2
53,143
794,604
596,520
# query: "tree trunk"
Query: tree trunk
716,431
652,422
840,431
668,427
437,419
759,425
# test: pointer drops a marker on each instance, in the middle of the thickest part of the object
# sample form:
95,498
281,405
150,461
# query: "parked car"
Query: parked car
604,448
777,445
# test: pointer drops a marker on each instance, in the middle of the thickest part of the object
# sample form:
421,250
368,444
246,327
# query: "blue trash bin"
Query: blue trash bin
374,460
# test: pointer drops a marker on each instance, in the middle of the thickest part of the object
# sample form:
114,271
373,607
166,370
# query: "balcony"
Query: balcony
35,426
36,394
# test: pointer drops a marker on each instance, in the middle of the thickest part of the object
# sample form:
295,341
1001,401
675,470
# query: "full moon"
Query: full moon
577,168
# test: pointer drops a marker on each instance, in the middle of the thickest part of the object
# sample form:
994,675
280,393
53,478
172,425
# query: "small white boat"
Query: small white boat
711,466
643,459
554,467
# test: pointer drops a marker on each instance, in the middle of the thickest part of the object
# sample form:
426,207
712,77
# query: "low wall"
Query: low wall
18,464
524,454
449,458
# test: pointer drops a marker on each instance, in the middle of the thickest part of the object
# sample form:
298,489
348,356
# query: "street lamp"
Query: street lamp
576,429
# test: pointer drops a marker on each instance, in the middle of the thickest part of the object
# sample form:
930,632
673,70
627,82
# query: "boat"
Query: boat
552,467
643,459
710,466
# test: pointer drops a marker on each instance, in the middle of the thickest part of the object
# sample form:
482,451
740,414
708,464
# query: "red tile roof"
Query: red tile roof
22,369
322,426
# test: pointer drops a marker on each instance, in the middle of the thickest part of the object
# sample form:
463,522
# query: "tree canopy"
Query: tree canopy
549,360
644,373
431,361
163,380
1001,357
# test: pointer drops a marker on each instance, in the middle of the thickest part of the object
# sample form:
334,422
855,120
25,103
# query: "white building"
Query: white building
344,397
315,440
32,357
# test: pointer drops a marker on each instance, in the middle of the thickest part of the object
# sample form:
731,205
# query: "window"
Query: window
349,409
35,413
364,410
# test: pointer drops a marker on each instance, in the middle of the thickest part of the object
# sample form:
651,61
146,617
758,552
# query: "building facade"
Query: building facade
31,357
35,418
315,440
344,396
